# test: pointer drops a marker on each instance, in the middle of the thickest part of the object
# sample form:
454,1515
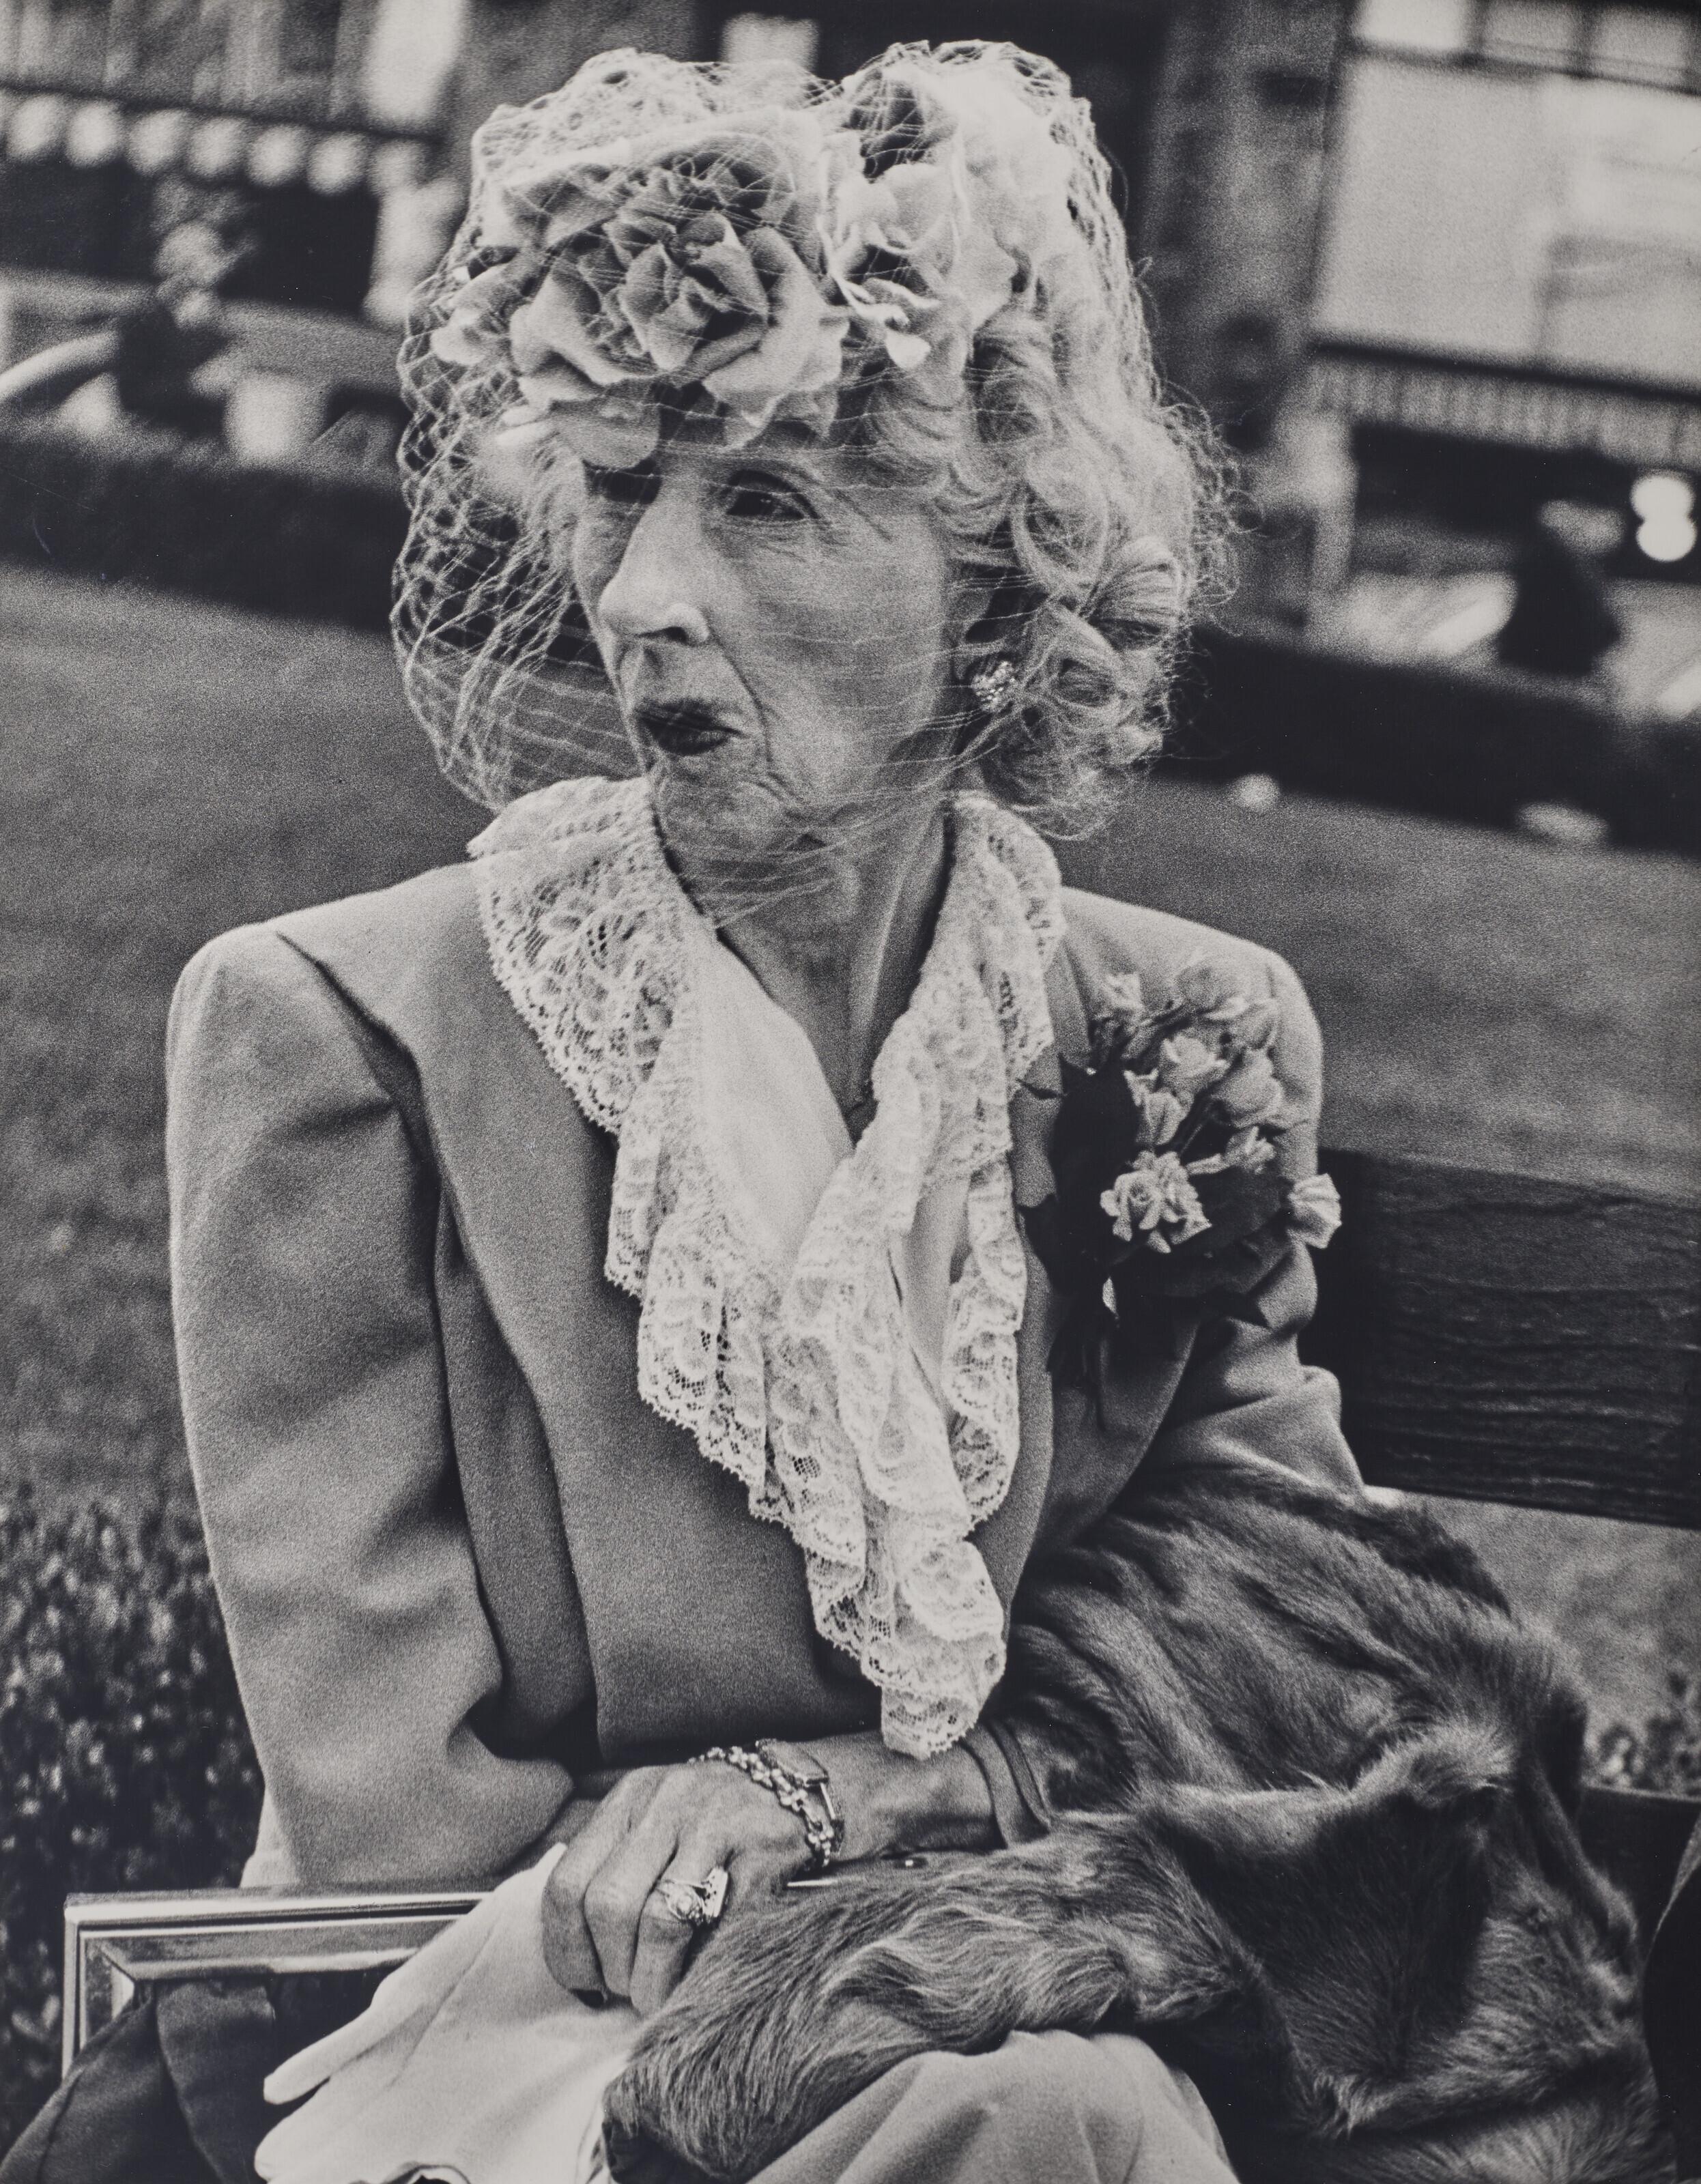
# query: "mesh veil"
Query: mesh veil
494,648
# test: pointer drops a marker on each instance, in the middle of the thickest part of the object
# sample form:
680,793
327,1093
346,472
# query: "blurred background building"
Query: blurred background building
1434,266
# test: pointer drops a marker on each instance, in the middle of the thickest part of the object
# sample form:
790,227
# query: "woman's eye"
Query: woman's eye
625,488
764,500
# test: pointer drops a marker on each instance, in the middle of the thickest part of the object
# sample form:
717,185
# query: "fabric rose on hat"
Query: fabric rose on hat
889,242
477,328
902,246
733,268
675,267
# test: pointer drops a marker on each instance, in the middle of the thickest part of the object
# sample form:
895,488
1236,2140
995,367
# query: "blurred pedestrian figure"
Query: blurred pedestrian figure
1562,620
167,359
167,341
1304,487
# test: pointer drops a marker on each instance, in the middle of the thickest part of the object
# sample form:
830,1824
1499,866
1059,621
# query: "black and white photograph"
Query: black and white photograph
849,1092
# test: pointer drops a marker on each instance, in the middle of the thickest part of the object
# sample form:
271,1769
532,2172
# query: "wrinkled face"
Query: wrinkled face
777,628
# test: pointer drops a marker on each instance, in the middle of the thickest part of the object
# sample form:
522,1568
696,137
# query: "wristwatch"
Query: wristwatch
809,1773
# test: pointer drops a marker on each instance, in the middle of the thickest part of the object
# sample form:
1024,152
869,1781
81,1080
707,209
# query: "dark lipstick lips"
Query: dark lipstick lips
683,730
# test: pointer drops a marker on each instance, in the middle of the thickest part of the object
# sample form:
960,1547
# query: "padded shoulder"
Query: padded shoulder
1107,938
399,972
424,926
402,956
430,918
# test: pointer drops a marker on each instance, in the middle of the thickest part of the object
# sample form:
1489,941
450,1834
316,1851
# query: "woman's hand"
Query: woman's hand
605,1928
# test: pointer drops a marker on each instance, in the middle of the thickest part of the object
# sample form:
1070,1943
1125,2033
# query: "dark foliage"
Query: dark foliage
125,1761
183,516
1665,1754
1455,742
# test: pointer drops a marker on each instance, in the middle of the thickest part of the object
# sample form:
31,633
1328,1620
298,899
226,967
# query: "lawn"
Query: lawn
170,770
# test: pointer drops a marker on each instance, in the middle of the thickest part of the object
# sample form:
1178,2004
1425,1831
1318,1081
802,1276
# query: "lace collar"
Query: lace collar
800,1378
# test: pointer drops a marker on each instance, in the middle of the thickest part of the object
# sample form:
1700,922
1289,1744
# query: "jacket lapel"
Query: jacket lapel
1007,1537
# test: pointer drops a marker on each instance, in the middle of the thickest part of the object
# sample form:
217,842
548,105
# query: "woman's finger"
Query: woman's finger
664,1940
616,1894
602,1930
569,1948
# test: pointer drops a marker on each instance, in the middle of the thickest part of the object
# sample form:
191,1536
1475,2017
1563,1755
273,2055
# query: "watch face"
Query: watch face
793,1757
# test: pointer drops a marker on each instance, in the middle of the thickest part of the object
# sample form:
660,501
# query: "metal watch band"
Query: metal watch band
812,1774
824,1830
796,1759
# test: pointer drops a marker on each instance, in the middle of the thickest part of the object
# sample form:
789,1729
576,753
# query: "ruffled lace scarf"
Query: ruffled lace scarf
802,1381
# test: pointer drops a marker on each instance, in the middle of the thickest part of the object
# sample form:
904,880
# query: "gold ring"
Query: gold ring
695,1904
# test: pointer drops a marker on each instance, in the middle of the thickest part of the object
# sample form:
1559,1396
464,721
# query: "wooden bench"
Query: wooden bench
1497,1338
1500,1338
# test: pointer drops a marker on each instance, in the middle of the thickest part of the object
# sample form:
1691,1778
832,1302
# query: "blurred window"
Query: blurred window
751,37
411,51
1523,215
172,45
1642,46
1656,46
308,33
1428,26
1547,33
63,40
251,57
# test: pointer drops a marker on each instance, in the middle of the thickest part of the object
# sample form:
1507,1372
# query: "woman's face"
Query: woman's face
775,624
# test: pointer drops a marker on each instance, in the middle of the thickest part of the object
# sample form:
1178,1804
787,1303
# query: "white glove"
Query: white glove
469,2063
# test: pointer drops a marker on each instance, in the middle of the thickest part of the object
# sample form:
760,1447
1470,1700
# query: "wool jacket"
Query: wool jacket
461,1563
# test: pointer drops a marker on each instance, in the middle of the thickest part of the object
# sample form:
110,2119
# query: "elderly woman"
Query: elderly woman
617,1365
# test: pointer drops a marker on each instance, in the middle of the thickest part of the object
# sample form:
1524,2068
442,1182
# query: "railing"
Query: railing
210,139
1528,405
335,95
52,373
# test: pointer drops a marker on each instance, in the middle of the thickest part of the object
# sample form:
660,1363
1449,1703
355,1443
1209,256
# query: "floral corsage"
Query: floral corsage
1170,1199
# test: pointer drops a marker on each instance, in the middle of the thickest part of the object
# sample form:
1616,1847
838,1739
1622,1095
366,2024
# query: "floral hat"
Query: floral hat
724,260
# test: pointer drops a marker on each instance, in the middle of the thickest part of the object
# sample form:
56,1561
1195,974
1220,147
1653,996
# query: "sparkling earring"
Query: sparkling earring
994,687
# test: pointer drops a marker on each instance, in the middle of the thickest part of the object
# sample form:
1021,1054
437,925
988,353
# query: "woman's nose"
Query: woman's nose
650,593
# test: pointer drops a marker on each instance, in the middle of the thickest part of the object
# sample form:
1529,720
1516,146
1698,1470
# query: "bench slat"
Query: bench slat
1638,1836
1506,1338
